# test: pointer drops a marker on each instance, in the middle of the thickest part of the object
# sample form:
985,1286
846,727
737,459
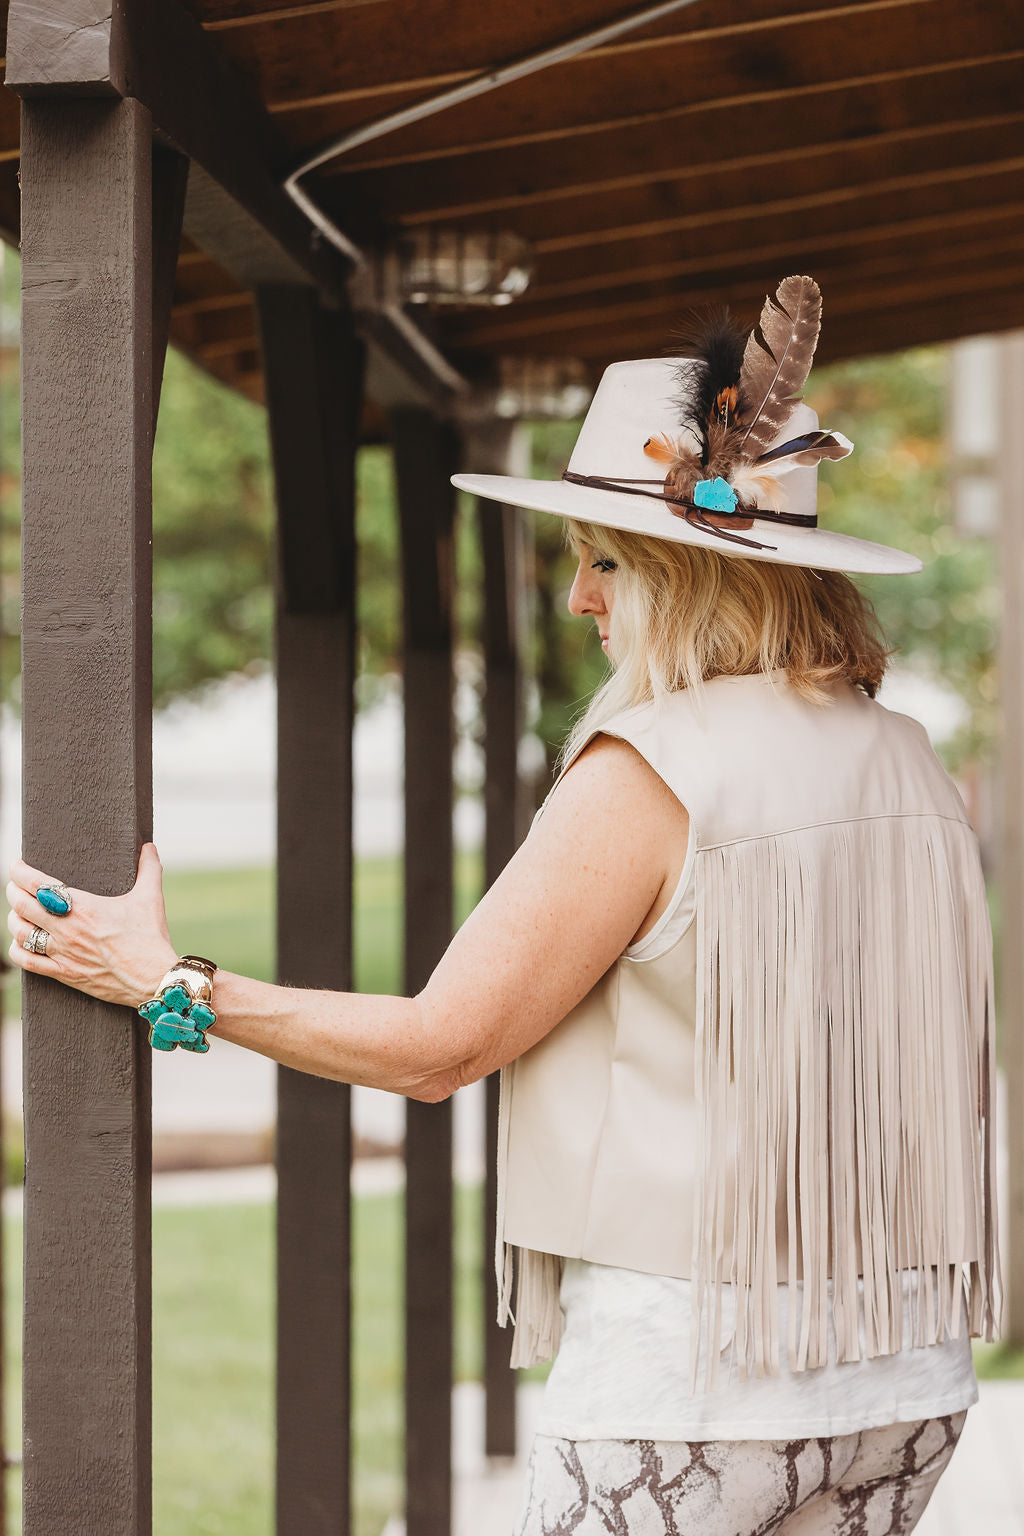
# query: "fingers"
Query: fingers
29,880
151,871
20,929
27,906
26,959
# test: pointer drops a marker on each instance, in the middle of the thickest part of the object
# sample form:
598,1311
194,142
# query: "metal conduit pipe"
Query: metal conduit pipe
478,85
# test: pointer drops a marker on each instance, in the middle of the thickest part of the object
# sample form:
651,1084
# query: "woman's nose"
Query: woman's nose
586,595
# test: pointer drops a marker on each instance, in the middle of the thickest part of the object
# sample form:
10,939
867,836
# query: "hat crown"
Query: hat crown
646,397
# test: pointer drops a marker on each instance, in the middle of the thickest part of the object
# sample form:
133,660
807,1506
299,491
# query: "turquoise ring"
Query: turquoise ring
55,897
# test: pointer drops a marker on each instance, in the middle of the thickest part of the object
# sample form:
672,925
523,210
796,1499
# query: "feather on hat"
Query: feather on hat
737,393
732,447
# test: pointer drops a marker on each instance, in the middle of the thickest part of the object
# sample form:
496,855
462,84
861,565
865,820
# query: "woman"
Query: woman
738,978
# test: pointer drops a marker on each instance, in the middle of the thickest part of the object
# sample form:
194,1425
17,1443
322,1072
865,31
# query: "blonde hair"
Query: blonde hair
684,614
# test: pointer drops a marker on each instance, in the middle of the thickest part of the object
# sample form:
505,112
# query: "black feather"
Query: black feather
708,336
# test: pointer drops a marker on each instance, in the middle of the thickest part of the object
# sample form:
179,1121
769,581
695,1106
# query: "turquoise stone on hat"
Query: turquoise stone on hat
715,495
53,901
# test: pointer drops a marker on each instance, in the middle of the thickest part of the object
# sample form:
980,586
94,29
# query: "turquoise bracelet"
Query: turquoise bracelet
180,1013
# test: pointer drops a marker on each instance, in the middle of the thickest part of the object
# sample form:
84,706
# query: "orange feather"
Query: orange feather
663,449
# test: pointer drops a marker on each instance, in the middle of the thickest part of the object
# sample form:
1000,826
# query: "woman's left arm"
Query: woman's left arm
562,911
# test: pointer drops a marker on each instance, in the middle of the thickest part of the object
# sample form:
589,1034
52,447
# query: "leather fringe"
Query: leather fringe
538,1316
845,1073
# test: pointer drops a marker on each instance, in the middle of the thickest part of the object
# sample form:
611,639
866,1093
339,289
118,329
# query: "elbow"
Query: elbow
436,1087
439,1068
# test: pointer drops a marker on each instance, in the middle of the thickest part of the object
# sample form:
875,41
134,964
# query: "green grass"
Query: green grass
231,912
213,1336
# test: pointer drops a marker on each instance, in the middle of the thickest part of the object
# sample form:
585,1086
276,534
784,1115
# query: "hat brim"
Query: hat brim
818,548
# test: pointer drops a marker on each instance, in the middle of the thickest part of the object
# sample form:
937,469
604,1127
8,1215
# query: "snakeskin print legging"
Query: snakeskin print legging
872,1483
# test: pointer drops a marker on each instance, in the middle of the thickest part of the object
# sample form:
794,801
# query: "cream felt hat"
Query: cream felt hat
710,448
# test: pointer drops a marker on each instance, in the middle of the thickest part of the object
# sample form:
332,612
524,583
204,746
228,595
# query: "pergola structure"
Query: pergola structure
693,151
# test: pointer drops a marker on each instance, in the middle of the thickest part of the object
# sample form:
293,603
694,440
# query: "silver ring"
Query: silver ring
37,941
59,903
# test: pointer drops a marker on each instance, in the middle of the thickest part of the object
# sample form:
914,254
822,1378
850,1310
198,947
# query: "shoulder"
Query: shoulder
611,780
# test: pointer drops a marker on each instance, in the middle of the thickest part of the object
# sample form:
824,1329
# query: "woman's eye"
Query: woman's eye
603,565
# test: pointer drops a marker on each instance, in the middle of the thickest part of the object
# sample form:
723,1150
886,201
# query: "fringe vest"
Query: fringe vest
802,1090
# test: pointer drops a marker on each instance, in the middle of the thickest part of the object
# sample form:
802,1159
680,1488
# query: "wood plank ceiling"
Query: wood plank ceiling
878,145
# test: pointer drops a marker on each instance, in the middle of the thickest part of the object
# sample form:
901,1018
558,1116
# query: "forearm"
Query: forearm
375,1041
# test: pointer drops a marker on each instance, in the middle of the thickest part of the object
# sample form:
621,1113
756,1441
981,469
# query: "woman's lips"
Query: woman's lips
604,642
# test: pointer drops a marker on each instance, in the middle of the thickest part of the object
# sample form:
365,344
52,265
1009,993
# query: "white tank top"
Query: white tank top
620,1371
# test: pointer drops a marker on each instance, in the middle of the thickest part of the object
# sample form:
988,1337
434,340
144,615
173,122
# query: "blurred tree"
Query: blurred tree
212,523
895,488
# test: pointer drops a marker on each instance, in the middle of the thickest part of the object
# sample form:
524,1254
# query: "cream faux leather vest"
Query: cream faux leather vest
802,1089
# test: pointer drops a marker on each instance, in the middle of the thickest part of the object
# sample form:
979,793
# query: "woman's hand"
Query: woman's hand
113,947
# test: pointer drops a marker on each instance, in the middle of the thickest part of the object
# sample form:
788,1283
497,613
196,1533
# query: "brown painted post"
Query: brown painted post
500,534
87,802
425,456
313,368
499,448
170,180
6,966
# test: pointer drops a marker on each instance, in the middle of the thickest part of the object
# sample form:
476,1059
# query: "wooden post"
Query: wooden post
6,966
1011,864
500,448
313,367
87,802
425,456
170,180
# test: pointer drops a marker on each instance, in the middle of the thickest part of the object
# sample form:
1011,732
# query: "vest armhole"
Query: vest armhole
677,918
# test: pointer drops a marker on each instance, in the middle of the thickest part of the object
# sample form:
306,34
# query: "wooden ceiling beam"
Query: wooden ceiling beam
438,142
829,211
10,126
642,327
595,90
392,52
914,325
930,111
244,348
214,302
225,17
927,322
977,85
748,177
579,272
214,327
869,250
10,204
785,229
